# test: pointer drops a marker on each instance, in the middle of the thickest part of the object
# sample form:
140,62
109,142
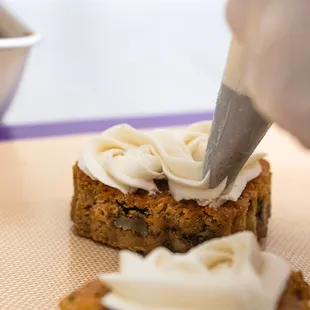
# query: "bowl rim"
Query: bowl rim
24,41
28,38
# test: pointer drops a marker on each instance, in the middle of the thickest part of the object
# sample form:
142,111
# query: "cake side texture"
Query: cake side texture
141,221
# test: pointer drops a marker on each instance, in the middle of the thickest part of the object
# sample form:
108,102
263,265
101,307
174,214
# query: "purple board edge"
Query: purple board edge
16,132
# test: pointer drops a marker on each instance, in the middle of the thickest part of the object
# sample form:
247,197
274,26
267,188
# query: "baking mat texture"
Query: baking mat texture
41,260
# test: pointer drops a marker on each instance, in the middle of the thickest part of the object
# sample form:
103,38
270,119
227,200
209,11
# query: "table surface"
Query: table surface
107,58
41,260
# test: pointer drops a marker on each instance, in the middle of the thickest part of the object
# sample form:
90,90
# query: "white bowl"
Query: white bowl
16,41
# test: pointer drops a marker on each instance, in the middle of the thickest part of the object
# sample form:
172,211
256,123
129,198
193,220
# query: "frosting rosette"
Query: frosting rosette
229,273
128,159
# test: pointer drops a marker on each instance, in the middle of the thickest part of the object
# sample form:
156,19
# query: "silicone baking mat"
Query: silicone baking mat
41,260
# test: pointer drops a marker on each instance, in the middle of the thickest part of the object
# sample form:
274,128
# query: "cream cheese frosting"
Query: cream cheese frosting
127,159
230,273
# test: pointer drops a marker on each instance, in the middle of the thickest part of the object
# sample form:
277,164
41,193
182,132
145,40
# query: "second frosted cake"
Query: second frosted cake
137,191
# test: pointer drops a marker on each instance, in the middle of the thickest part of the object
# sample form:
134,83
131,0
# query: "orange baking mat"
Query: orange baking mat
41,260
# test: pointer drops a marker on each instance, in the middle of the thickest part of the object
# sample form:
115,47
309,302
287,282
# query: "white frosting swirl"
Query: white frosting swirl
127,159
230,273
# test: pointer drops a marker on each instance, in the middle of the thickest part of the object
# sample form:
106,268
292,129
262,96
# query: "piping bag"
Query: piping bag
237,128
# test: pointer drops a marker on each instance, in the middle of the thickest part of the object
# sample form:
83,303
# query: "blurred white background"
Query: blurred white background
105,58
